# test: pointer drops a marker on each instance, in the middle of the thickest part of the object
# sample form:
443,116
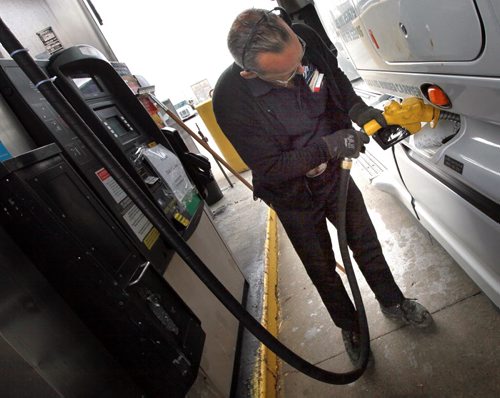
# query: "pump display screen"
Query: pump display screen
120,130
88,86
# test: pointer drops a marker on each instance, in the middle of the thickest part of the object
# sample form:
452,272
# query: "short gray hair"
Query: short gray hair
255,31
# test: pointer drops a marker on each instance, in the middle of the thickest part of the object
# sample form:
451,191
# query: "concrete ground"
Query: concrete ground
458,357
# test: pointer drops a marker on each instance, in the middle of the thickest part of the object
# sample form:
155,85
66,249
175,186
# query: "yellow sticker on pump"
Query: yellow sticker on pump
151,238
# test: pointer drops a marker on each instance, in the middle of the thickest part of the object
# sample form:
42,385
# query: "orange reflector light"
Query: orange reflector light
438,97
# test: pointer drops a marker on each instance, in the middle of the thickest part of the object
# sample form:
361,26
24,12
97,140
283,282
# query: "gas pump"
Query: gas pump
109,106
105,102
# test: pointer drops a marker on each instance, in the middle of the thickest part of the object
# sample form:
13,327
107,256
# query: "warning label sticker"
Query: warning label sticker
151,238
138,222
134,217
111,185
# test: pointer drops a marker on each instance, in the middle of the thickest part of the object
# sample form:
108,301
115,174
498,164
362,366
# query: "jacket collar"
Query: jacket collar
257,87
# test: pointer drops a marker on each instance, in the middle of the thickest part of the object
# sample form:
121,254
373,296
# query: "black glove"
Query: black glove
361,114
346,143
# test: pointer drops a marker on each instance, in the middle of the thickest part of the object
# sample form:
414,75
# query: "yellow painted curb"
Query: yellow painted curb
266,374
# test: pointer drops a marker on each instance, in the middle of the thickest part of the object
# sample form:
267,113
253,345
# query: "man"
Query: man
287,109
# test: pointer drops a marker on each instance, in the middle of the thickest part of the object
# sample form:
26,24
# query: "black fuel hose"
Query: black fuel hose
345,168
157,218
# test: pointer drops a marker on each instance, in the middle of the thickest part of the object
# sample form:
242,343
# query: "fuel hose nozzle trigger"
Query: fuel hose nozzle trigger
404,119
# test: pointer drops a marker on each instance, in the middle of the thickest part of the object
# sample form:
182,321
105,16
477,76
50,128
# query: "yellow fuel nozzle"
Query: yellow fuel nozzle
409,114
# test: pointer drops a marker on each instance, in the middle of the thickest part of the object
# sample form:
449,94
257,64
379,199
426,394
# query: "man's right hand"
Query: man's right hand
346,143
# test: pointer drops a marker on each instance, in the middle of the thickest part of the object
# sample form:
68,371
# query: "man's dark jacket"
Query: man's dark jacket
279,169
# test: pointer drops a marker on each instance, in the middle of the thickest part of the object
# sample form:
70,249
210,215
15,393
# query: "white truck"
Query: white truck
448,53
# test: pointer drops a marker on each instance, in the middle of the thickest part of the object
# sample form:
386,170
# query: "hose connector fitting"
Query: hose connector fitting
346,164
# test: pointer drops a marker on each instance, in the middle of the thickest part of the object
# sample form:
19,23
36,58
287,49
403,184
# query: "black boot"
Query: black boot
410,312
352,344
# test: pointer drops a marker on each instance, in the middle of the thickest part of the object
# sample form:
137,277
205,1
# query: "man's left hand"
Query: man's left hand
361,114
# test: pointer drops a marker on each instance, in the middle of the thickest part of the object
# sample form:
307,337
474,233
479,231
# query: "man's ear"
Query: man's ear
246,74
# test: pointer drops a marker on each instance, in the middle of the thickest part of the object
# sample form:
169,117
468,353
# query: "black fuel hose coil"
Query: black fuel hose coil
168,233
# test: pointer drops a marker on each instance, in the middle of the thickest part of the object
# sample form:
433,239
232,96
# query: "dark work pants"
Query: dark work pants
307,230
